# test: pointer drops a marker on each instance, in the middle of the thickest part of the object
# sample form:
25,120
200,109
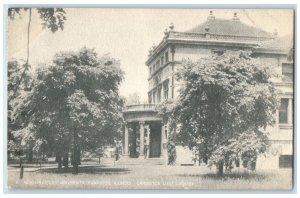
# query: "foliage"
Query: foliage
223,101
165,110
246,147
133,99
171,153
74,102
15,68
52,18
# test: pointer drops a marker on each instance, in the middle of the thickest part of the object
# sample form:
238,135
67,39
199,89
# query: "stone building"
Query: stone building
145,133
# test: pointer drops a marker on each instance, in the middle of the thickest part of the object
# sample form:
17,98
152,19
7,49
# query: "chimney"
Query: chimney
235,17
171,27
207,35
211,16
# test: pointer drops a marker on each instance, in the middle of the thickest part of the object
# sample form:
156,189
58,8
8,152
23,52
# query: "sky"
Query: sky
126,34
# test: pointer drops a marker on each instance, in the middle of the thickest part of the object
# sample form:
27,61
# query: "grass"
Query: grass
110,176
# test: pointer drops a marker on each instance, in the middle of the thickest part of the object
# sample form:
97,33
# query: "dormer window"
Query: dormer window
287,72
157,64
218,52
167,57
162,61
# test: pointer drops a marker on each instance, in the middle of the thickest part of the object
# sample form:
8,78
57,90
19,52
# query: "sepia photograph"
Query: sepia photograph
150,98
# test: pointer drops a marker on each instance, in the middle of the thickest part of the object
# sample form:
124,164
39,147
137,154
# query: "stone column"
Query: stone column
162,139
148,141
126,140
290,111
142,139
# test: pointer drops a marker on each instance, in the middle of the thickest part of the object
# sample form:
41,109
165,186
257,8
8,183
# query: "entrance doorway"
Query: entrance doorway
155,140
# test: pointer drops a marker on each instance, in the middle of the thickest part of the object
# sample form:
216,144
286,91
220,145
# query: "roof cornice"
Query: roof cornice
206,39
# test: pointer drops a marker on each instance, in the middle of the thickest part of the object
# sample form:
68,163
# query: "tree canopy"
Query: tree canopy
15,68
52,18
225,104
74,103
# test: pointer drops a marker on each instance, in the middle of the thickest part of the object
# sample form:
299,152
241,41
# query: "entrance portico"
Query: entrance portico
144,132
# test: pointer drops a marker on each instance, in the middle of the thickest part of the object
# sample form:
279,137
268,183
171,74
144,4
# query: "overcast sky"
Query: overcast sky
126,34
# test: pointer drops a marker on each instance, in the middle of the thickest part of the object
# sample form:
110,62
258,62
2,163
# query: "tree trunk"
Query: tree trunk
253,165
237,163
27,58
76,153
43,151
66,158
220,168
205,159
199,156
59,161
28,36
79,155
56,156
30,155
76,159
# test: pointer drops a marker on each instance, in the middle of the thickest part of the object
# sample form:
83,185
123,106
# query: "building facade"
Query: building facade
145,133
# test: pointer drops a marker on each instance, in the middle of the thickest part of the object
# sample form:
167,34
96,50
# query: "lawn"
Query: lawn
114,176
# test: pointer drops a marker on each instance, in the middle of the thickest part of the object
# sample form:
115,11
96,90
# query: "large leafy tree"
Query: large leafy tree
74,104
15,70
225,104
51,18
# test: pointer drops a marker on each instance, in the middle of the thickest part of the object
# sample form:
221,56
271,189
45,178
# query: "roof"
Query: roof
281,43
229,27
215,31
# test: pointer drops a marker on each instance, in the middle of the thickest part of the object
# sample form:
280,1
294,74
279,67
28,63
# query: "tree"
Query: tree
225,104
52,18
15,68
133,99
75,104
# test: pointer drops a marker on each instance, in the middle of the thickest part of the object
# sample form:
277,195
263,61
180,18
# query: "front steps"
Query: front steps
125,160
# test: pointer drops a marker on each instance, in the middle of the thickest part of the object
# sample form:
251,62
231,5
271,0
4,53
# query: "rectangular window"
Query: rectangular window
154,96
150,70
287,72
167,57
154,68
157,64
162,61
150,97
166,89
159,94
218,52
283,111
285,161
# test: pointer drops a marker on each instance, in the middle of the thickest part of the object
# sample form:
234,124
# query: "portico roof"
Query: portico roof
141,113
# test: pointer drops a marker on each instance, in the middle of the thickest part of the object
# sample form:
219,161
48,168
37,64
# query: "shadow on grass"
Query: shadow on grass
230,176
30,165
87,170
